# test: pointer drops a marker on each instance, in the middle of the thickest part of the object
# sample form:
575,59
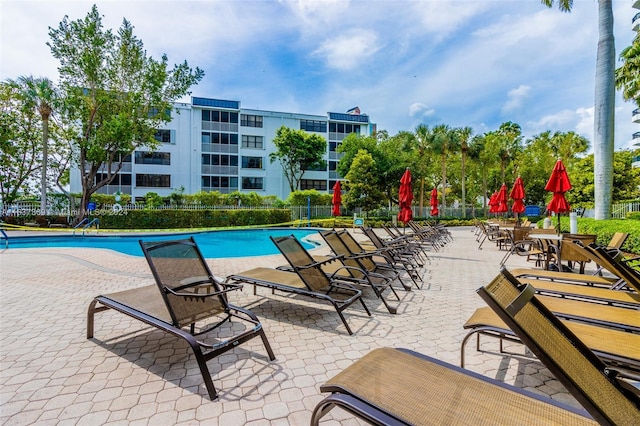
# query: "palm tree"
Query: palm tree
442,143
463,135
40,93
423,136
604,106
628,75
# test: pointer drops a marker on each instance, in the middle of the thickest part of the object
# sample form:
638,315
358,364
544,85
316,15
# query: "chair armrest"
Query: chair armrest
227,288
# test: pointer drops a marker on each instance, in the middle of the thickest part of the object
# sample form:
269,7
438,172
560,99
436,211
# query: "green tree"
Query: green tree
359,191
40,94
20,141
628,74
117,95
463,136
298,151
604,106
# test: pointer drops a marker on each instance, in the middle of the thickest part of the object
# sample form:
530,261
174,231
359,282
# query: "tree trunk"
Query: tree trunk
464,192
45,155
603,141
444,181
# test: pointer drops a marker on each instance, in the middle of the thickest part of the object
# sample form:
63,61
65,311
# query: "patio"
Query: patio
136,375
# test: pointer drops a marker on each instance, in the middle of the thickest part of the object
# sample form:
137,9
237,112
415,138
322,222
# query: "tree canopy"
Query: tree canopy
298,151
117,95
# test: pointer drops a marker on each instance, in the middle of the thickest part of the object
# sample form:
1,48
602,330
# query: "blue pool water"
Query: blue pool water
215,244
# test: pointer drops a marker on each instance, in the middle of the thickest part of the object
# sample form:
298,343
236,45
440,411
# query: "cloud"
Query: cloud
515,98
420,110
348,51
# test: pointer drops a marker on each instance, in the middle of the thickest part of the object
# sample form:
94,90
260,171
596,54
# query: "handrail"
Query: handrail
83,221
95,222
4,237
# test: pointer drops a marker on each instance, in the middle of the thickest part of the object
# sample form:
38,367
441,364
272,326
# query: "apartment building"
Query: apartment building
216,145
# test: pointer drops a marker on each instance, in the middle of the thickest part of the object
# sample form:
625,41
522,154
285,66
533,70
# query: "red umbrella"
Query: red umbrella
337,199
434,202
517,195
405,197
492,202
558,183
501,200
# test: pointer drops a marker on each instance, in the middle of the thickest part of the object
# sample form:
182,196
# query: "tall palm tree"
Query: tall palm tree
463,134
423,136
41,93
604,106
442,143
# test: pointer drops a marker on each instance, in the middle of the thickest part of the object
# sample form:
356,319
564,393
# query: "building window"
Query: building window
219,116
252,141
153,181
163,136
247,120
316,168
252,183
251,162
219,182
144,157
219,160
313,126
320,185
220,138
344,128
118,179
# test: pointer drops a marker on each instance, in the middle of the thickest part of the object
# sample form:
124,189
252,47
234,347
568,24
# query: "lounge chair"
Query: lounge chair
300,259
399,255
602,391
310,280
628,299
615,347
565,251
186,294
630,276
358,260
391,386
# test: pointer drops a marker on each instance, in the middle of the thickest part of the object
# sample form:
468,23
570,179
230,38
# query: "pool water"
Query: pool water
214,244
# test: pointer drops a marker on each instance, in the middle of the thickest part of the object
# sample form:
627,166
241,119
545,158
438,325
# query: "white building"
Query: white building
215,145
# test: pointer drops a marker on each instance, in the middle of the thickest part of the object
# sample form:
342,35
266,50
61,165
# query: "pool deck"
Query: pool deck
132,374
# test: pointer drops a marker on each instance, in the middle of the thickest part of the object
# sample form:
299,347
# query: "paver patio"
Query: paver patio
132,374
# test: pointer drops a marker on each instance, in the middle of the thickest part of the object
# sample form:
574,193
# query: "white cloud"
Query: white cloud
515,98
420,110
349,50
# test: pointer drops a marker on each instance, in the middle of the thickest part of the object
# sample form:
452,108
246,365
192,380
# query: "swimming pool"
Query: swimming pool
213,244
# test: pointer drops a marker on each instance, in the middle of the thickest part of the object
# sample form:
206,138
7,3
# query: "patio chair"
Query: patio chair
361,264
186,294
391,386
602,391
299,259
615,347
309,280
565,251
398,261
397,250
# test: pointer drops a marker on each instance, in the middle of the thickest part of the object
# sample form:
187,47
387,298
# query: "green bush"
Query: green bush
181,219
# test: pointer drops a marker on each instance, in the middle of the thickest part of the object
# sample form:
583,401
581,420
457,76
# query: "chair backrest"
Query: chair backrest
520,233
620,269
571,362
617,240
178,266
354,247
340,248
302,263
568,252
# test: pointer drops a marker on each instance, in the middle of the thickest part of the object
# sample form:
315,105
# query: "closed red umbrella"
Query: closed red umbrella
434,202
517,195
405,197
337,199
558,183
502,205
492,202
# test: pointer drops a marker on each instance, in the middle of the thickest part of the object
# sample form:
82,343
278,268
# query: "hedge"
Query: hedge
182,219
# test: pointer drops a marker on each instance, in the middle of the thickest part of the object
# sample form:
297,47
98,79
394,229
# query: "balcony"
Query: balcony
636,4
635,139
635,115
635,162
635,22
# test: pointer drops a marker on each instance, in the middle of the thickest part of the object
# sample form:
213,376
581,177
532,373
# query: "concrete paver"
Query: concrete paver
132,374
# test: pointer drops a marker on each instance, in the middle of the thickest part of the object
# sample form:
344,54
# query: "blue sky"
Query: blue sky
470,63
